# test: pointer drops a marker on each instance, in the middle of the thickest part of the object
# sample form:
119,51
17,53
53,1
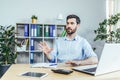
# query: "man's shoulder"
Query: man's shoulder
80,38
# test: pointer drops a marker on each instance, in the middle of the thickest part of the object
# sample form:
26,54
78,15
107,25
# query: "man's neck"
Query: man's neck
71,36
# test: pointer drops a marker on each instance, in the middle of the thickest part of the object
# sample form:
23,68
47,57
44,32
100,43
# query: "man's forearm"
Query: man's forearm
91,60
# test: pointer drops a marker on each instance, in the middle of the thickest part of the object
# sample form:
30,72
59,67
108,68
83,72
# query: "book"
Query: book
26,30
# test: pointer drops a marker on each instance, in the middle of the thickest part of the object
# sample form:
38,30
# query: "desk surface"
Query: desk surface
16,69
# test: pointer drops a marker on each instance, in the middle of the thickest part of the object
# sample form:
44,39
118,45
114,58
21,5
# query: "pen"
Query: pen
52,64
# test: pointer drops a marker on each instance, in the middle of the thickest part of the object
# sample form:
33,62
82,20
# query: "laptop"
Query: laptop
108,62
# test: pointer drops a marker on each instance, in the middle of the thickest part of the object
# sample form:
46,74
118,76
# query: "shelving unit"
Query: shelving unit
29,35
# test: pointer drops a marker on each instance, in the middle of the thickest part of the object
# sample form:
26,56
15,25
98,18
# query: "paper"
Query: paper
46,65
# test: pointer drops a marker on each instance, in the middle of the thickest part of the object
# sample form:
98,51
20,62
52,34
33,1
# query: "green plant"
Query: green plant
34,17
7,45
107,34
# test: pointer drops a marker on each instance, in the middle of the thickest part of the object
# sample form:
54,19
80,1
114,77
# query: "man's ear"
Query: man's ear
78,25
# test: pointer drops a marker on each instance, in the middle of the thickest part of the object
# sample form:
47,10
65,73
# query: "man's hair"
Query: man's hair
74,16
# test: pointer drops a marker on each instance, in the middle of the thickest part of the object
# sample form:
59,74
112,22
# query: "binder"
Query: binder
63,33
27,42
31,48
52,31
31,58
26,30
32,44
46,31
39,31
32,30
35,30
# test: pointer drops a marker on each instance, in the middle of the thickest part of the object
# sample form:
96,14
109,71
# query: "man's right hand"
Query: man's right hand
45,48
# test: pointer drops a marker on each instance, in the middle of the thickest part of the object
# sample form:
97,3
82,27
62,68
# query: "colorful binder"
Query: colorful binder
32,30
35,30
26,30
63,33
52,31
39,31
32,44
31,58
46,31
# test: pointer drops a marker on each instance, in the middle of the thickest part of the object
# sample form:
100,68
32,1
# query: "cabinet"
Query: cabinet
29,35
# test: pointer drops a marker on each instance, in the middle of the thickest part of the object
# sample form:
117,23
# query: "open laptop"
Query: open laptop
109,61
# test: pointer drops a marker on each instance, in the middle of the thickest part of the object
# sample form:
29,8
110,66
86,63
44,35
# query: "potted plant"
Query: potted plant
106,32
34,18
109,32
7,45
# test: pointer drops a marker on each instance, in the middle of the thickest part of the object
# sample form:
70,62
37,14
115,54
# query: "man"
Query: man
71,49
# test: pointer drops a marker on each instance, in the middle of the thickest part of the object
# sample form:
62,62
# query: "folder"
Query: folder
39,31
26,30
32,30
31,58
32,44
35,30
52,31
46,31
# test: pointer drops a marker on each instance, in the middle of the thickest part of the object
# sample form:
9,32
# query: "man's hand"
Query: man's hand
74,63
45,48
89,61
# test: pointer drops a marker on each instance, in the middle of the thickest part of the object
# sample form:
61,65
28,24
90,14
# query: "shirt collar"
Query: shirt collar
74,39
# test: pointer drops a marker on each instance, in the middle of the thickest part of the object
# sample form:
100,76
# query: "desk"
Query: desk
15,69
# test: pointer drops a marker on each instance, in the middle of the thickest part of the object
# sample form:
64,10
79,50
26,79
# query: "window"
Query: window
113,7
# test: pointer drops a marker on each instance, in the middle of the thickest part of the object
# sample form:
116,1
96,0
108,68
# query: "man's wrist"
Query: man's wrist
78,63
48,56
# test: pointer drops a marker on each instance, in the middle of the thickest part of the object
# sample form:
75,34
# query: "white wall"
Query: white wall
91,13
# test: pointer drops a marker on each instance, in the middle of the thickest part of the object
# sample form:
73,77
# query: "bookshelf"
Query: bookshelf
29,35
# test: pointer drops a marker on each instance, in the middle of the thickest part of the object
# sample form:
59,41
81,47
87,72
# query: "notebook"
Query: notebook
109,61
45,65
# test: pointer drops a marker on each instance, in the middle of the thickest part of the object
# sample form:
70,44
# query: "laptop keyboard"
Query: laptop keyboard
91,69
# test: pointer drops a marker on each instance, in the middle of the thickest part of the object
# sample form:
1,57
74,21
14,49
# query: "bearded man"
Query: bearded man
71,49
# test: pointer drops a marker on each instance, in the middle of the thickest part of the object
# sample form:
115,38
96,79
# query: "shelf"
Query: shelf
32,34
36,51
22,51
21,37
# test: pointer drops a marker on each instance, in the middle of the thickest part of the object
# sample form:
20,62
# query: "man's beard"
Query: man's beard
70,31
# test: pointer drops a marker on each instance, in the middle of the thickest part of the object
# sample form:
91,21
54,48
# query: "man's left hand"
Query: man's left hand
74,63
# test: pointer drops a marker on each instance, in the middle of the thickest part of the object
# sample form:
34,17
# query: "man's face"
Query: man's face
71,26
